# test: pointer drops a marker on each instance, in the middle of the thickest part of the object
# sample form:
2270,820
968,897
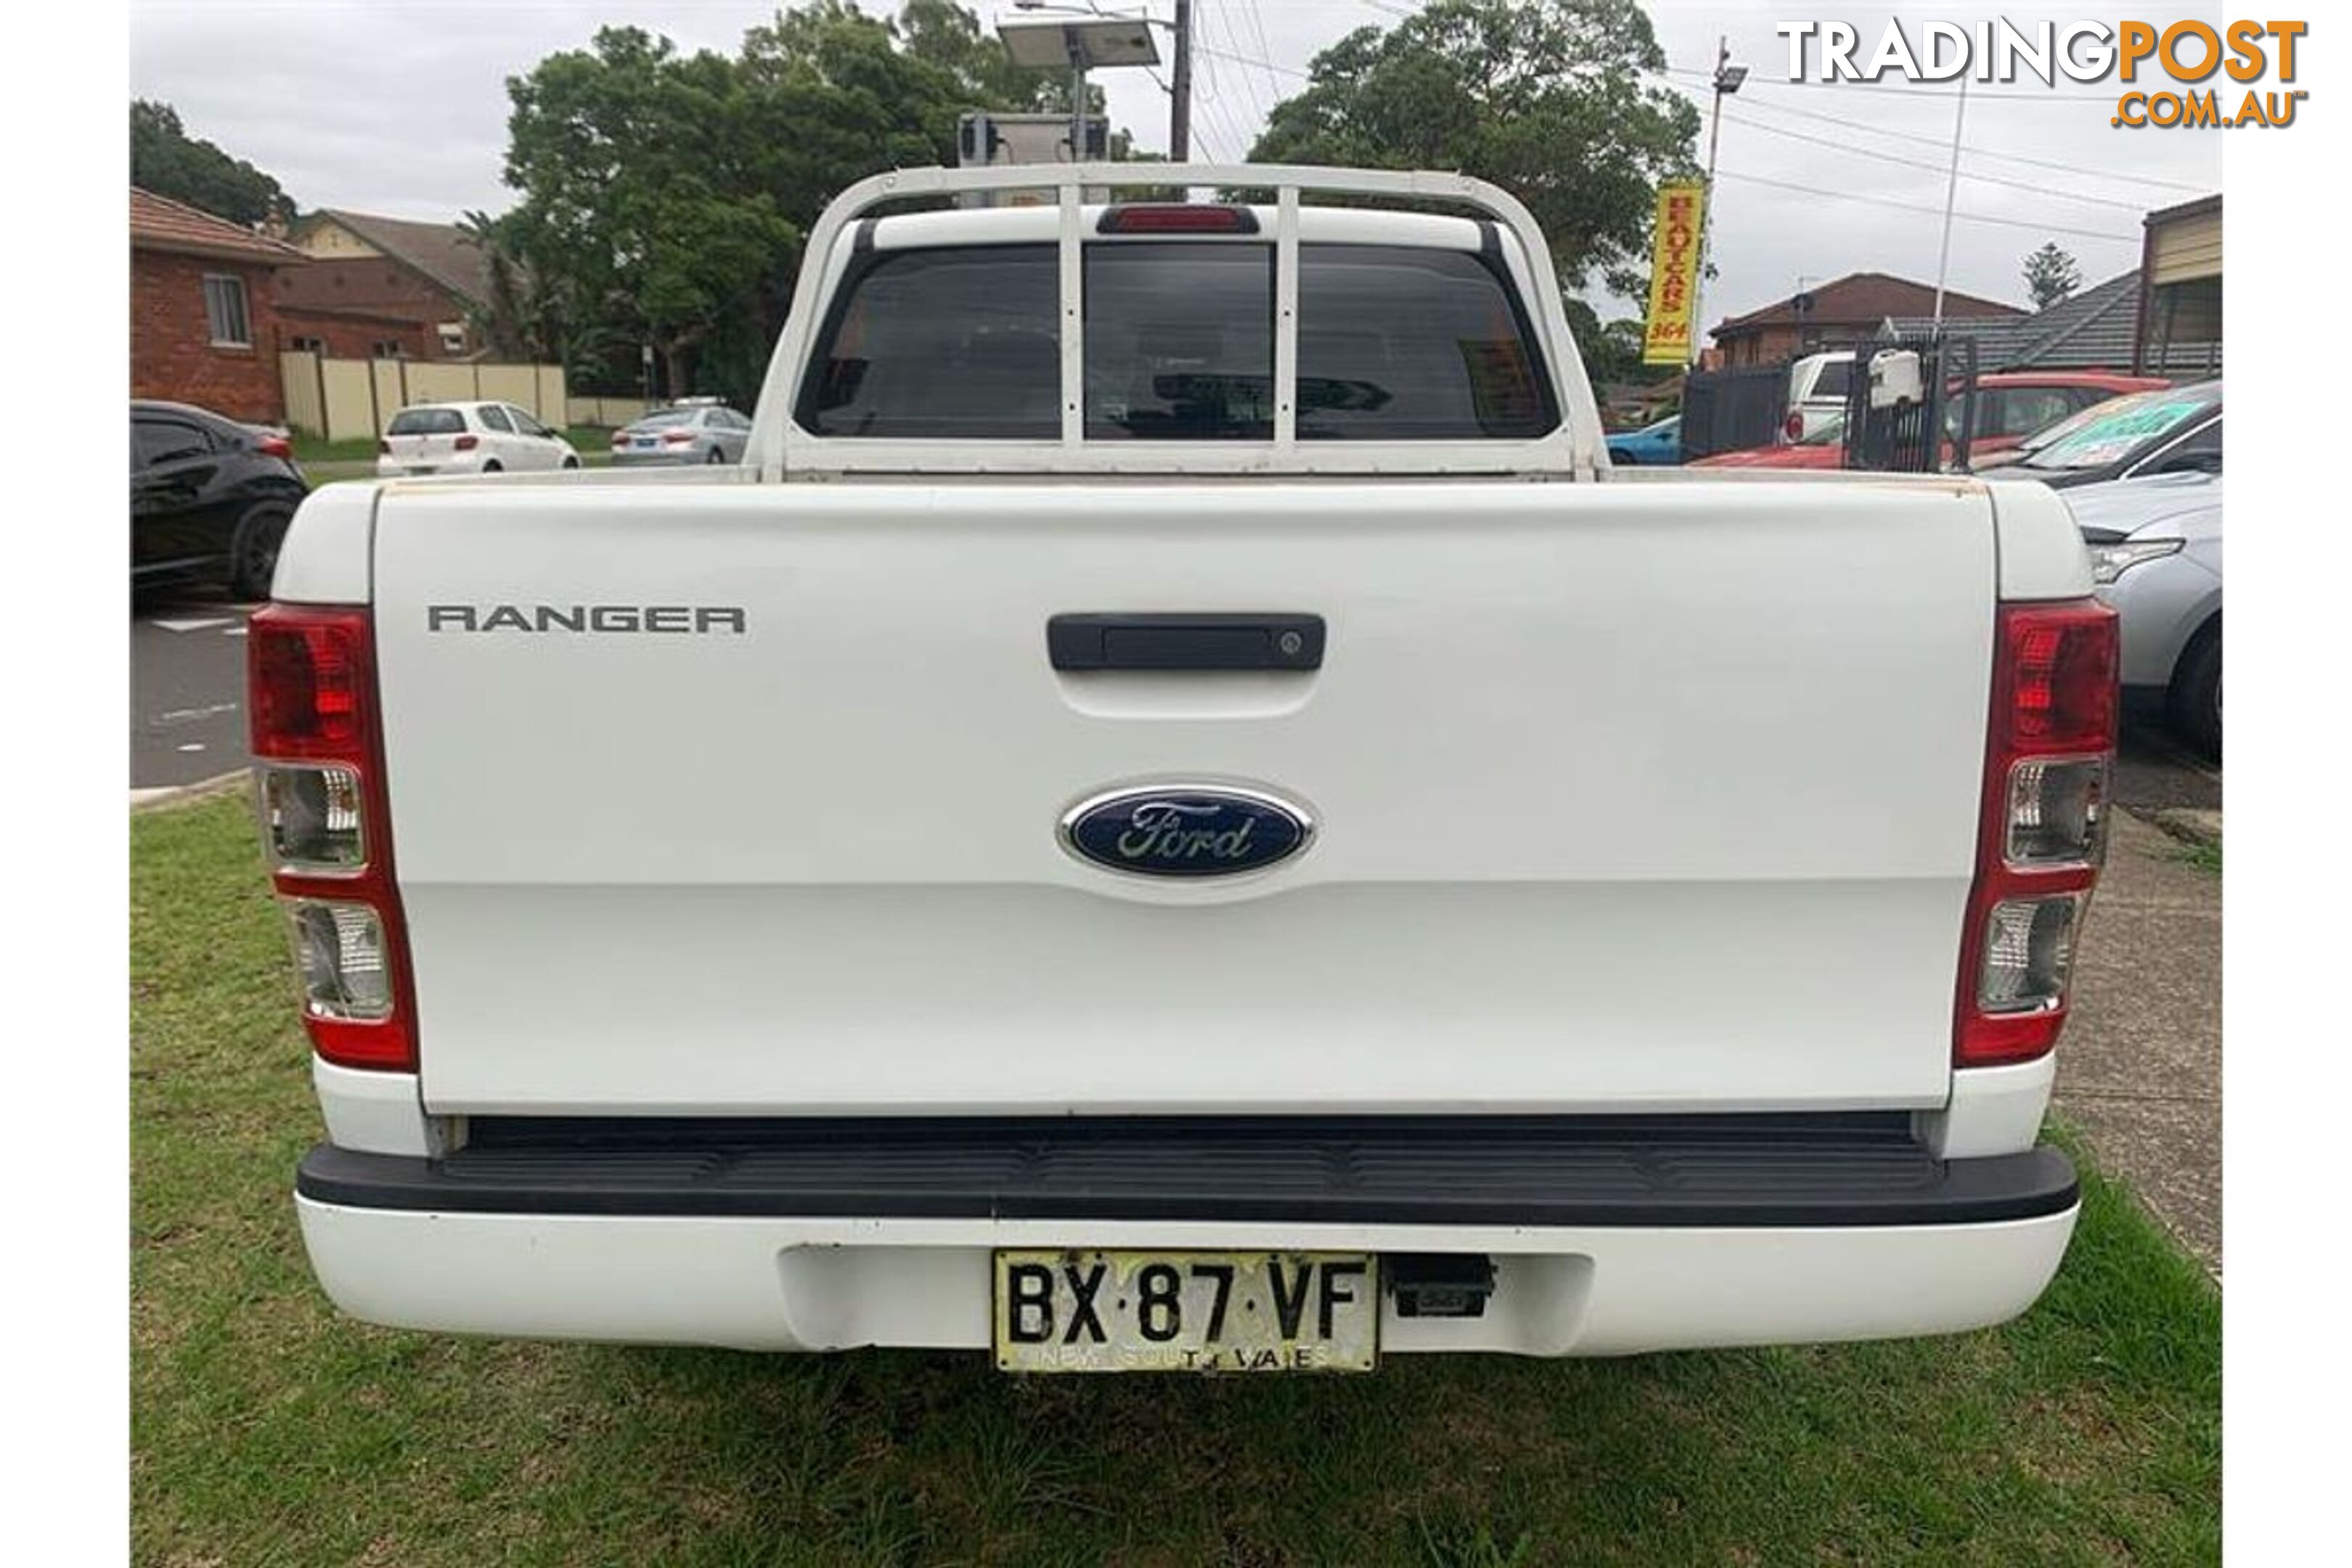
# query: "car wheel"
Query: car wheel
492,466
716,456
253,553
570,461
2195,698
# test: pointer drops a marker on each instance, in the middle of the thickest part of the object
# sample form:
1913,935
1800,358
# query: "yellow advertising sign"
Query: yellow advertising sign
1673,274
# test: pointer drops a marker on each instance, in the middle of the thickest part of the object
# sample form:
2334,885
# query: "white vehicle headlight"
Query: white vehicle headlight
2109,562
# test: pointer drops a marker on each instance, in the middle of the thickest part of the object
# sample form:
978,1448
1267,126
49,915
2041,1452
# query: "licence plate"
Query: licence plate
644,443
421,468
1187,1312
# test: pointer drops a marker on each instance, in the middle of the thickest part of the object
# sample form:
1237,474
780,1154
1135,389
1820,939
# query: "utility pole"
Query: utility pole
1180,108
1951,189
1727,77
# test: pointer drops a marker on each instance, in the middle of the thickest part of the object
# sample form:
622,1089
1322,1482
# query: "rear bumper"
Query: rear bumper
1683,1236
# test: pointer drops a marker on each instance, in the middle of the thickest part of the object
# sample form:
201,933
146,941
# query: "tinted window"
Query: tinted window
496,418
2008,412
1406,343
955,342
426,422
2200,452
1831,381
1179,341
167,440
2110,432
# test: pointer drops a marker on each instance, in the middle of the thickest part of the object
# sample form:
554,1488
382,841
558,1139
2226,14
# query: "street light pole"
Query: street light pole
1727,77
1180,108
1951,189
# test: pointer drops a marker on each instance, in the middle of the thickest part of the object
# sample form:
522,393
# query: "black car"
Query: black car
210,498
2174,431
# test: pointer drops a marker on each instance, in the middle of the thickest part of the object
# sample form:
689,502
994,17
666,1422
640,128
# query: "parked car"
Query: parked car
2011,406
2155,555
1171,931
1657,443
1817,393
469,438
210,498
683,433
2176,430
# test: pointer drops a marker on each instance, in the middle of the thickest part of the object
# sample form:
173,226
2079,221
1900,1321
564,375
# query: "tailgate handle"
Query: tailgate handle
1182,641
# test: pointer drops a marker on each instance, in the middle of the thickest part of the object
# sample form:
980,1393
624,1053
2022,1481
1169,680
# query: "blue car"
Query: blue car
1652,444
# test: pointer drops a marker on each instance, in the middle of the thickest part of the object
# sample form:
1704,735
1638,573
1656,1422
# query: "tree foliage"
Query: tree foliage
1545,98
664,197
2051,274
168,162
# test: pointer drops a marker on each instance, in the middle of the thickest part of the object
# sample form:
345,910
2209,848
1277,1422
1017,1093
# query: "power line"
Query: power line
2050,192
1917,92
1943,142
1933,212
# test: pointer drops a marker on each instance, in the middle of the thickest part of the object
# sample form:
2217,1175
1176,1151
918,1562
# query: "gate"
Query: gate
1731,410
1909,436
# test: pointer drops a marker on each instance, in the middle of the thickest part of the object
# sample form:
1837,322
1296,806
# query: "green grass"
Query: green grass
268,1430
311,450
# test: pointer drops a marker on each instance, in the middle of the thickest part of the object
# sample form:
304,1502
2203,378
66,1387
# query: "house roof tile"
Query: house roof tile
441,251
159,223
1866,299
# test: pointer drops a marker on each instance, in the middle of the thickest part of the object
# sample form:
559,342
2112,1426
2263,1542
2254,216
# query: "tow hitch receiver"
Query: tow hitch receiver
1440,1284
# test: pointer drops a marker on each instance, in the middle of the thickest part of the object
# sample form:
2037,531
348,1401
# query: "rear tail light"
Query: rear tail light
275,446
620,437
678,438
318,745
2049,749
1177,217
384,446
466,442
1793,427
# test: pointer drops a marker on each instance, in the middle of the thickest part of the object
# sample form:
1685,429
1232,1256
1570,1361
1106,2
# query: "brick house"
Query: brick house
202,328
1849,308
384,288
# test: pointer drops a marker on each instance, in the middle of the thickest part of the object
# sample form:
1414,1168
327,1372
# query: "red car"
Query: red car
2011,406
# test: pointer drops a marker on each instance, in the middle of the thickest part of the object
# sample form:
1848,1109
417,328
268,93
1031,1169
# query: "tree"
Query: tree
1546,97
664,198
636,210
2051,274
168,162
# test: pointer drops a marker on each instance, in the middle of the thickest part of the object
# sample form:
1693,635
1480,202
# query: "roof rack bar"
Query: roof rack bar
1071,181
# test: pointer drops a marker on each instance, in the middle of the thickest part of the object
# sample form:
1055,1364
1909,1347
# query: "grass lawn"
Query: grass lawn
268,1430
309,449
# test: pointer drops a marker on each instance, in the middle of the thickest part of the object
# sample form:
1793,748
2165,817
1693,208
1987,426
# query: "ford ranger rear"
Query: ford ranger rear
1176,814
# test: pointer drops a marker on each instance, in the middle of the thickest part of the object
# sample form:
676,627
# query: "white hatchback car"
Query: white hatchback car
469,438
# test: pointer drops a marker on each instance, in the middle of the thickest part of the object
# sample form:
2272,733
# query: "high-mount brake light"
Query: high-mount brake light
1176,218
2049,750
317,747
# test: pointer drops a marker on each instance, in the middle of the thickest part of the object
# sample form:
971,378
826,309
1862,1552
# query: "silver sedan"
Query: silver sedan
707,433
2155,555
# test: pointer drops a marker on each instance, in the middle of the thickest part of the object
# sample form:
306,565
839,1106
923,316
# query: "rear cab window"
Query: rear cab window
1396,342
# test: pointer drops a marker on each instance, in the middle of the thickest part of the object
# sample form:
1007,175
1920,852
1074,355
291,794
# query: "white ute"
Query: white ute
1174,814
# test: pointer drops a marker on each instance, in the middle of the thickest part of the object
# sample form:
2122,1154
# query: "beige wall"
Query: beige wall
350,412
2185,248
332,241
346,399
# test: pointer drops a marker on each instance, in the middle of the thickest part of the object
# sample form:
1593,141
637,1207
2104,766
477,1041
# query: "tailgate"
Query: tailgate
1627,798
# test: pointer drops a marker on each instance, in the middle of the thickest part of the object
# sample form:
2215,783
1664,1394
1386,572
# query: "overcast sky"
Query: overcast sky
400,109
